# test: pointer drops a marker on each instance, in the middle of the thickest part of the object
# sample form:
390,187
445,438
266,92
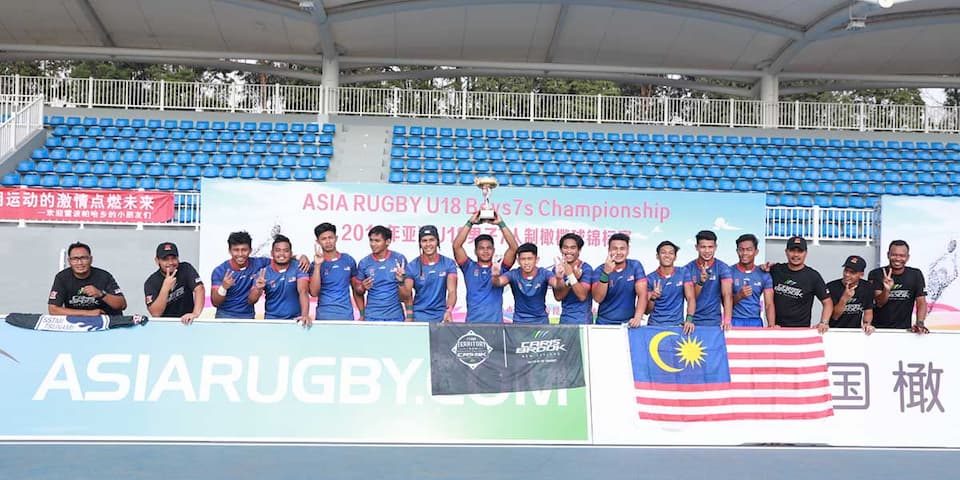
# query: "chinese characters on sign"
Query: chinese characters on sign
916,383
116,206
918,386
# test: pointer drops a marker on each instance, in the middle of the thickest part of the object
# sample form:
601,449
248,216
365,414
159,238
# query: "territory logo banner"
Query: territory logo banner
468,359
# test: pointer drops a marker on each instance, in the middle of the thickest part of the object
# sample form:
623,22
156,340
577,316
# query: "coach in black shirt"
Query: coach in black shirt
896,288
175,289
82,289
852,297
794,286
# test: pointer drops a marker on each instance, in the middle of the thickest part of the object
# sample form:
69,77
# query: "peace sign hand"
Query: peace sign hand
609,265
261,282
850,290
657,290
228,280
888,278
169,280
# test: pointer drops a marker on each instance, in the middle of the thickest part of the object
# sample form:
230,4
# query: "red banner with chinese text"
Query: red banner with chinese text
101,206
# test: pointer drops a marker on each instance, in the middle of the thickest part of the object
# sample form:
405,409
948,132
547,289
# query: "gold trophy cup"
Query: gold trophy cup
486,185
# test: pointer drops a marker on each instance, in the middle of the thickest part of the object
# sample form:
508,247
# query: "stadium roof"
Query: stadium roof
600,38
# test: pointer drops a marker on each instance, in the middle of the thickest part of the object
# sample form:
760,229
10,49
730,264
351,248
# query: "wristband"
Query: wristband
571,279
469,224
222,291
604,278
361,312
689,319
502,224
104,295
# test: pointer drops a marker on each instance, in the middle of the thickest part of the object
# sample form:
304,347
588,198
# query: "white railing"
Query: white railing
817,224
20,117
313,99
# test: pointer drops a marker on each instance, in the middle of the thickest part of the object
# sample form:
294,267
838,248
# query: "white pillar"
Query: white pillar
330,80
330,74
769,95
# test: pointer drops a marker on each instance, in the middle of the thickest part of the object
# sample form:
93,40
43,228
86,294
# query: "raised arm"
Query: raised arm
510,256
459,254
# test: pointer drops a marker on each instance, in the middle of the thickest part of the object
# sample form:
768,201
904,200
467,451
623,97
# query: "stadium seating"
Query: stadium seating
830,173
172,155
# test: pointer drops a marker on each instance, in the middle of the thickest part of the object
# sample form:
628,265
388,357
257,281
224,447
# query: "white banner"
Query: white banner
890,389
931,227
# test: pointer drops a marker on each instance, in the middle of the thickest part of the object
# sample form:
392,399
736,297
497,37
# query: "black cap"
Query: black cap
426,231
855,263
797,243
167,248
666,243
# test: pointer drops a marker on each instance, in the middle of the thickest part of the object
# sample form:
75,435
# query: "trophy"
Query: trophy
486,184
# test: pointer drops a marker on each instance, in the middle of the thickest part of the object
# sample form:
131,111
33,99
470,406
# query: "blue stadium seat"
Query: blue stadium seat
229,172
108,181
10,179
265,173
211,171
166,183
185,184
90,181
30,179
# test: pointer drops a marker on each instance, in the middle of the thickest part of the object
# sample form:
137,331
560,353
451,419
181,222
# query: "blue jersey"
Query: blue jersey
530,295
333,300
620,303
383,298
430,287
759,281
235,304
282,297
710,299
484,301
668,309
575,311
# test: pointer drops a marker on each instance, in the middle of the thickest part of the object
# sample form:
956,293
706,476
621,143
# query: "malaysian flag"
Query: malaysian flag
747,374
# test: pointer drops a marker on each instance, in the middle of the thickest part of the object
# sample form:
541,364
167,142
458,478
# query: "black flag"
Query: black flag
467,359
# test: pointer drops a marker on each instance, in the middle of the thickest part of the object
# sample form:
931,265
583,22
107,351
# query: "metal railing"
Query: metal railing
817,224
315,99
20,117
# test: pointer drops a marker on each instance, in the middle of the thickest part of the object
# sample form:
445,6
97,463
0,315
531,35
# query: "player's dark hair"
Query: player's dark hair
748,237
618,236
706,235
384,232
239,238
572,236
527,247
898,243
324,228
480,238
79,245
280,238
